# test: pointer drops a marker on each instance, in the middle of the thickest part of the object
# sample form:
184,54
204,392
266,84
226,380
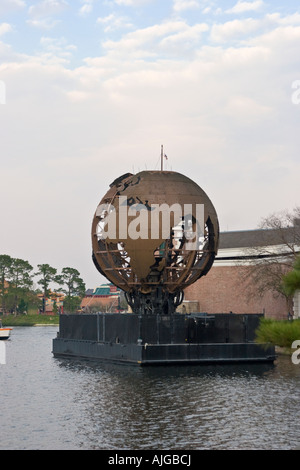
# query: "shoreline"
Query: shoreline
29,320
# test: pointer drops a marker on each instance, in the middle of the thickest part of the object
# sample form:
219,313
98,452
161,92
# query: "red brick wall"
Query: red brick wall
222,291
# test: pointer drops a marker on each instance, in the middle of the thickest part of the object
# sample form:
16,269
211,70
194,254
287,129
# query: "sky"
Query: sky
91,89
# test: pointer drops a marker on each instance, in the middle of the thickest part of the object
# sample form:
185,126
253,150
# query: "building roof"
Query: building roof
103,290
89,292
259,237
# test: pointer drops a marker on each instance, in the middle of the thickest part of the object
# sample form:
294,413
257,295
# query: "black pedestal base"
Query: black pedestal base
157,339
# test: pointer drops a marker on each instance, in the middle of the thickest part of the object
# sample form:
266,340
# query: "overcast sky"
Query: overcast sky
90,89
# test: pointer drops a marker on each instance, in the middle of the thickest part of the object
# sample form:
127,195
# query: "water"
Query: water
50,403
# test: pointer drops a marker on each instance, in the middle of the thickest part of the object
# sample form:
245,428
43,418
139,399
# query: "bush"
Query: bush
278,332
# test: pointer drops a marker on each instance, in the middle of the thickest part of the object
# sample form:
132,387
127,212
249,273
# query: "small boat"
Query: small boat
4,332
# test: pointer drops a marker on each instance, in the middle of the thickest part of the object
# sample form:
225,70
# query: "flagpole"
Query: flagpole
161,158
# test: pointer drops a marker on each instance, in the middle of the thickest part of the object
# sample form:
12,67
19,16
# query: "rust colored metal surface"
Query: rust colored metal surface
141,254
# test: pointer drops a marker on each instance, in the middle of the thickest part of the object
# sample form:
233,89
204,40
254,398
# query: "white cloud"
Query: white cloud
283,40
249,27
241,7
113,22
150,41
56,50
41,14
5,28
86,8
55,43
288,20
9,5
132,3
248,110
234,29
185,39
43,23
223,113
46,8
180,5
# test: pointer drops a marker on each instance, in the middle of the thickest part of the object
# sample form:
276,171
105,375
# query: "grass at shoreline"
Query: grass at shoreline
29,320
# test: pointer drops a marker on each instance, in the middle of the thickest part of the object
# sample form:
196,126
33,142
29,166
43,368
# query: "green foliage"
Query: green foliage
72,283
5,271
16,282
48,274
18,274
73,287
279,333
291,281
54,308
72,304
23,306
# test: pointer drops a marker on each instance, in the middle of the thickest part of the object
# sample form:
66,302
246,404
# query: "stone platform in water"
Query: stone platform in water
161,339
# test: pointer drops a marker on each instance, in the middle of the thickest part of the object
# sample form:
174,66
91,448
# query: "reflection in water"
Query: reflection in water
72,404
206,407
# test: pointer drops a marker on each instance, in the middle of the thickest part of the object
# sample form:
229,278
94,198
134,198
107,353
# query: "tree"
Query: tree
74,287
274,256
22,306
54,308
48,275
20,280
5,273
291,281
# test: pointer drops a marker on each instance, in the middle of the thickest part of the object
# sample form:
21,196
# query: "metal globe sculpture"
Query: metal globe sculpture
153,234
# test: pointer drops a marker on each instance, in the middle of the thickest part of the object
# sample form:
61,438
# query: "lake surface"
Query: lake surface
50,403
